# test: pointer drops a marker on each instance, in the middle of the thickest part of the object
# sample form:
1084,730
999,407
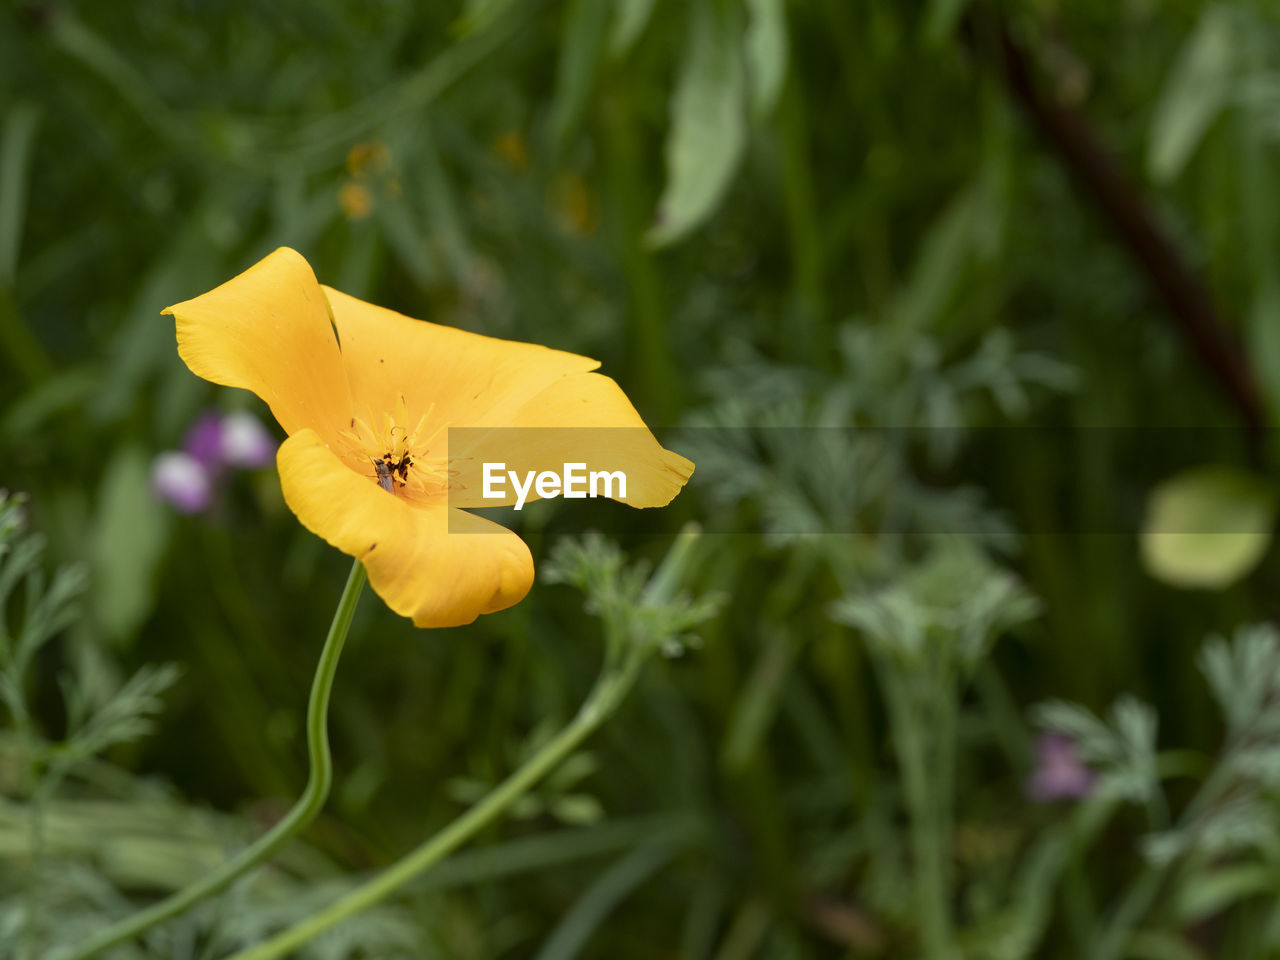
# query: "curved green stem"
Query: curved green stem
602,701
302,812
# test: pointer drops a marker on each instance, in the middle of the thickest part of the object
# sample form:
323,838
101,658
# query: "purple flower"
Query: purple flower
1060,774
245,442
188,479
182,480
204,441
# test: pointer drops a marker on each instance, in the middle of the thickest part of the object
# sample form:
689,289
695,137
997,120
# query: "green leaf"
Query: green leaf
1207,527
949,608
116,70
1243,675
632,17
62,391
582,36
766,53
1160,945
18,345
448,226
1016,931
1195,91
940,20
17,137
127,544
576,928
1213,891
940,263
479,15
708,129
1263,332
757,703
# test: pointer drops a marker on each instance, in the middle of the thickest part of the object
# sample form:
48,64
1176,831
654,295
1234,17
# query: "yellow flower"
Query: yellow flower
355,199
512,148
373,156
571,200
352,383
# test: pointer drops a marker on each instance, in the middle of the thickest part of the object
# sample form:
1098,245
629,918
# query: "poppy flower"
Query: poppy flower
368,397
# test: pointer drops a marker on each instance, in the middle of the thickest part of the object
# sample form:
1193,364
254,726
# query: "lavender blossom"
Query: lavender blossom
215,442
183,481
204,441
246,442
1060,774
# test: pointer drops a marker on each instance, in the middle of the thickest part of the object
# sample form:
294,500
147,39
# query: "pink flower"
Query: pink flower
204,441
183,481
1060,774
214,443
245,442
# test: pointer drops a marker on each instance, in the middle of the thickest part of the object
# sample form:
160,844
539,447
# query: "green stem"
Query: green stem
926,792
803,232
631,204
602,701
25,354
1142,895
302,813
37,796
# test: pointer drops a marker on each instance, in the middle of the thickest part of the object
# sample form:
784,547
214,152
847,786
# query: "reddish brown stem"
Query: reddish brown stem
1096,169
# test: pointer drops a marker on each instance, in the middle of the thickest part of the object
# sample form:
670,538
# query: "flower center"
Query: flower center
398,456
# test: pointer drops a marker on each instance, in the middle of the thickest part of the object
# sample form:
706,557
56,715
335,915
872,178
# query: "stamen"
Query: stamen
397,455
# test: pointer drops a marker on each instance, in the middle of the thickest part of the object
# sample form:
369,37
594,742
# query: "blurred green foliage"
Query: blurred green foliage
756,213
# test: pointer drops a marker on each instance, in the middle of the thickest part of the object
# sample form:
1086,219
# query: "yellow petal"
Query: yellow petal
584,418
470,379
268,331
420,568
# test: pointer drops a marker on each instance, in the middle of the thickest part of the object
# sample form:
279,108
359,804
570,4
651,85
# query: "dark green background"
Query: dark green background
904,238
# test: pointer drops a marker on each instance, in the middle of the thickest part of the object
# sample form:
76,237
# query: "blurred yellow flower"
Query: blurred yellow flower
366,396
372,156
356,200
572,203
512,148
369,165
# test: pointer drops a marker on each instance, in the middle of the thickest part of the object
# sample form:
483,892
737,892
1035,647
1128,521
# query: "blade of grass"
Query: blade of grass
16,140
613,886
